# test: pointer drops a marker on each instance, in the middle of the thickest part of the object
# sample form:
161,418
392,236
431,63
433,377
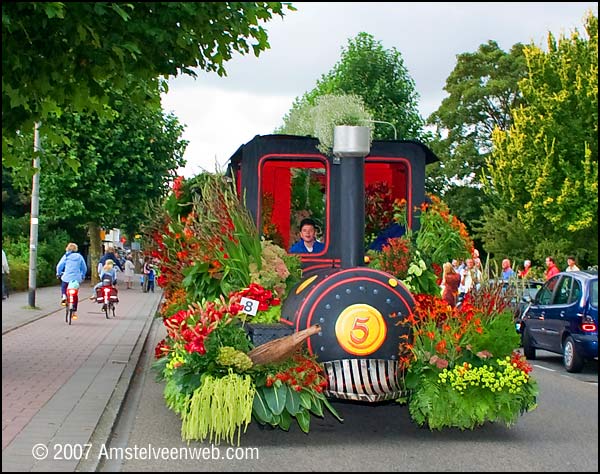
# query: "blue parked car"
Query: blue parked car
563,318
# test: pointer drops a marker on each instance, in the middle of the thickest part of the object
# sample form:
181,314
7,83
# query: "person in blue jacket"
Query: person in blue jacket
393,231
71,267
308,242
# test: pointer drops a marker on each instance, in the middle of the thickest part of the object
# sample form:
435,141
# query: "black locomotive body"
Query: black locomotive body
360,310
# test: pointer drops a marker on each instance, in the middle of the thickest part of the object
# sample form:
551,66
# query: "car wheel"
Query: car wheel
571,358
528,349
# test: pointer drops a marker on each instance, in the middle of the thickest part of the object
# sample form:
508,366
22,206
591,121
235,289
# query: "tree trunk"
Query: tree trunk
95,250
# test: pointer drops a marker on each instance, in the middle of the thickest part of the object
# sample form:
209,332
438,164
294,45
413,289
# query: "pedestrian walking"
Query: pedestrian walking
129,272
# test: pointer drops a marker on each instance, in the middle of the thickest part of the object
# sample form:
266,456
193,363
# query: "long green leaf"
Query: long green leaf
292,401
305,399
330,408
316,406
303,418
260,409
285,420
275,398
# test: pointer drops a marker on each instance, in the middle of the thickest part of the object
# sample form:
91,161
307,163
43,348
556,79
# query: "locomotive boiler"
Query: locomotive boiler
360,310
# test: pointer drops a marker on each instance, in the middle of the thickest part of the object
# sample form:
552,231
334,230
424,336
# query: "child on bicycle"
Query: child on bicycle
109,272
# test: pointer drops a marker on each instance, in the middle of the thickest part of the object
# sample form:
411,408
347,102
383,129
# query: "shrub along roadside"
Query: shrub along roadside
50,249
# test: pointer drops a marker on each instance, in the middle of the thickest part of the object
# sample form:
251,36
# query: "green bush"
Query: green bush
50,249
19,275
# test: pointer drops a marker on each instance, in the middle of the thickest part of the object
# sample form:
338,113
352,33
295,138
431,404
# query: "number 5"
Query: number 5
359,325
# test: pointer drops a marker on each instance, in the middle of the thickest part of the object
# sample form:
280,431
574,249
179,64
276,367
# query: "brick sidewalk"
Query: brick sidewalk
57,379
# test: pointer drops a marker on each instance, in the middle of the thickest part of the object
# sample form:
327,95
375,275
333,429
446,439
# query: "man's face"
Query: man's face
307,233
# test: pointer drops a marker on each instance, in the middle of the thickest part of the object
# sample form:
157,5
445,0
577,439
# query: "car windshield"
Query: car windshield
594,293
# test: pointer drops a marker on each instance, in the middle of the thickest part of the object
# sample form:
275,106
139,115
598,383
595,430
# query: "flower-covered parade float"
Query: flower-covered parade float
254,333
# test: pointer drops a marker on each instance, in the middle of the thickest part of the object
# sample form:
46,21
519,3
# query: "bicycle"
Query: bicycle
107,295
72,299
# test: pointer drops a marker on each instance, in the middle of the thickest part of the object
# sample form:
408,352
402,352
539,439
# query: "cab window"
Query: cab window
290,192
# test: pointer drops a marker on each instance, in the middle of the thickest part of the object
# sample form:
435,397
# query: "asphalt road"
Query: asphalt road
560,435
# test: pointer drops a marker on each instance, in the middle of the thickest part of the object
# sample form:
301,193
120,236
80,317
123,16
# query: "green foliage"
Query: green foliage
51,247
59,56
199,283
441,236
127,162
544,169
419,278
279,403
462,367
230,335
307,194
376,75
435,404
483,89
503,236
174,398
290,389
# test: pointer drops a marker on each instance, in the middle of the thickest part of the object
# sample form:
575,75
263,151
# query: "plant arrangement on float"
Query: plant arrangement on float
461,367
214,265
219,277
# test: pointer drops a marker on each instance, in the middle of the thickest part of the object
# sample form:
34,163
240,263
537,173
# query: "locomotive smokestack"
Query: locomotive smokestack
351,145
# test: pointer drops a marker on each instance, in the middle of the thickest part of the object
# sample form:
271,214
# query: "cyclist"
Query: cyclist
71,267
110,255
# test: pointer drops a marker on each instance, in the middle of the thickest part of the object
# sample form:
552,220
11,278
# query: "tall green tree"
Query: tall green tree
129,161
376,75
58,56
544,168
482,91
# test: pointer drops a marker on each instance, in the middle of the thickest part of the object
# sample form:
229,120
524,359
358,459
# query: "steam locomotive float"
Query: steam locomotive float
359,309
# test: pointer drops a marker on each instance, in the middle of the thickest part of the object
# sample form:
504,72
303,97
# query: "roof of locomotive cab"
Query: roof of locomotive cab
295,144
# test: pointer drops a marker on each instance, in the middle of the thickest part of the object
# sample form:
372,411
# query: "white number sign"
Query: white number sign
249,306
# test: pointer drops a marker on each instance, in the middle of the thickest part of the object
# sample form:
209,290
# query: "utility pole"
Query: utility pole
35,209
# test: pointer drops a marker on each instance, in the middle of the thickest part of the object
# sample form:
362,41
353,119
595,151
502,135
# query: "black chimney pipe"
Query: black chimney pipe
351,146
353,212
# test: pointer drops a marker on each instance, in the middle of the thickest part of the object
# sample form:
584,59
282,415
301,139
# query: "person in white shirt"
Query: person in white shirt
571,265
470,277
5,272
129,272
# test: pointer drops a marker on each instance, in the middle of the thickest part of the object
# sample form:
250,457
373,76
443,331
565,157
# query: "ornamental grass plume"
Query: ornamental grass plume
333,110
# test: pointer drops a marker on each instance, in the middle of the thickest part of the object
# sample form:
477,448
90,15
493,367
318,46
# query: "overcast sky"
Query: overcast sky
222,113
